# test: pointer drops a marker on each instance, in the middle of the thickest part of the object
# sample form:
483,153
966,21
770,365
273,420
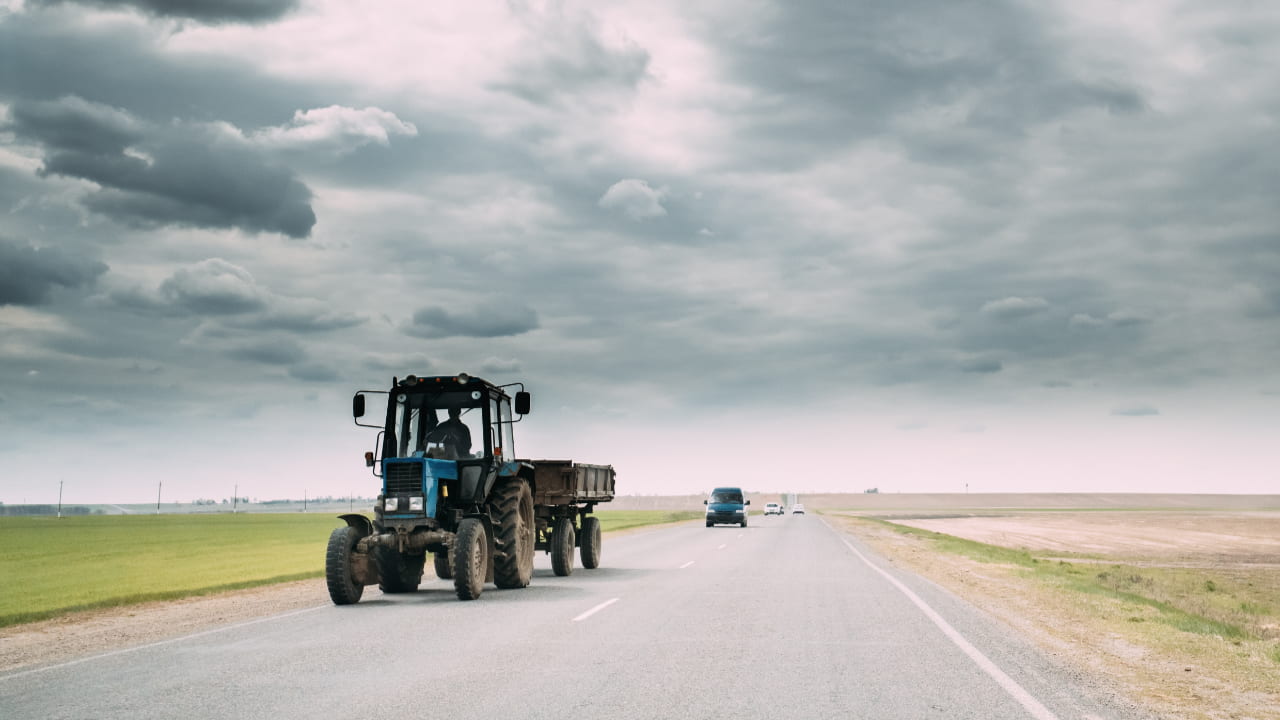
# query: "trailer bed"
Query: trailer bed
562,482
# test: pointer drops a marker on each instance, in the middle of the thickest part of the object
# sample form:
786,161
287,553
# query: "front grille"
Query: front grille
404,477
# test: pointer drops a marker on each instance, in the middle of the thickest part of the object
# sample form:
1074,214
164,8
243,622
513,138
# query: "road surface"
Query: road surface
785,618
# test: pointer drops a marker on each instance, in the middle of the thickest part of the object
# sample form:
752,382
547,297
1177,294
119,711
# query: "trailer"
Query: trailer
564,496
453,488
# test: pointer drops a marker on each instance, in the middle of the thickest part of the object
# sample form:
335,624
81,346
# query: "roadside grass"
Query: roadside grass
1194,600
53,566
613,520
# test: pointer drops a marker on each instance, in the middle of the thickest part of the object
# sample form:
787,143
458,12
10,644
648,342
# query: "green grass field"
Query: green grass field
55,566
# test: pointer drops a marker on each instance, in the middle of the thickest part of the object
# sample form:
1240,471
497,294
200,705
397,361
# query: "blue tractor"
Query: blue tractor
452,487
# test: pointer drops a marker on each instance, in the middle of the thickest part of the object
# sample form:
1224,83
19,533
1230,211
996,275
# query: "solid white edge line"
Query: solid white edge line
158,643
1011,686
686,565
595,609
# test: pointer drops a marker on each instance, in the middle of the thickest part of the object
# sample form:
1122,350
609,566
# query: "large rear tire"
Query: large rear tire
513,507
444,569
562,541
590,550
343,588
469,559
398,573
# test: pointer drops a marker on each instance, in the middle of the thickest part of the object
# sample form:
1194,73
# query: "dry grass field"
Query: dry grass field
1176,598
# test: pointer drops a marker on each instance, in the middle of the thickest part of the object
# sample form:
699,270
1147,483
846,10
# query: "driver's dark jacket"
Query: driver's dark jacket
455,432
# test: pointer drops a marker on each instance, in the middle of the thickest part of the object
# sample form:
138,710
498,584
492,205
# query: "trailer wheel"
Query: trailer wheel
513,506
343,589
562,542
398,573
444,569
469,560
590,550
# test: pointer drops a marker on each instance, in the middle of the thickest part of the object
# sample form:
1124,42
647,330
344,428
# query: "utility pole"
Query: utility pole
158,489
59,498
235,498
304,500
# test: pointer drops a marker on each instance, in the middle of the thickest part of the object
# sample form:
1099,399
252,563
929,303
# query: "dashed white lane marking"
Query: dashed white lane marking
1011,686
723,546
596,609
159,643
686,565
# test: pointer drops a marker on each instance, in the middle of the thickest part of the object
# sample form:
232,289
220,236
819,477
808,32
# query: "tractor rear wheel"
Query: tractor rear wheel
444,570
398,572
590,550
343,588
562,542
513,507
469,559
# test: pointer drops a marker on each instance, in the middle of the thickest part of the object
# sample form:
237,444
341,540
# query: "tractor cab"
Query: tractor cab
445,441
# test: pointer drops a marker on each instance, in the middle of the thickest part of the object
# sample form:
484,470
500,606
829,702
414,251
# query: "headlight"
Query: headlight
415,503
737,512
393,504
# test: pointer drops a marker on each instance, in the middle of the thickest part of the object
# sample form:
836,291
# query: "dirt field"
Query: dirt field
1210,562
1206,539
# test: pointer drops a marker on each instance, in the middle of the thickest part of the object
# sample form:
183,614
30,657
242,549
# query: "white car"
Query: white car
797,509
772,509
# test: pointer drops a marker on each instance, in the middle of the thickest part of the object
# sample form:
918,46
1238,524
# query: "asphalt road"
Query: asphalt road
786,618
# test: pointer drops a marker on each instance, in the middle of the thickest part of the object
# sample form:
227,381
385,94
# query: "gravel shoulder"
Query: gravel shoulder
93,632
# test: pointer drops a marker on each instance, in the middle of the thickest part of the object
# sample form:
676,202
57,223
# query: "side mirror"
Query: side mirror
704,502
522,403
357,405
747,502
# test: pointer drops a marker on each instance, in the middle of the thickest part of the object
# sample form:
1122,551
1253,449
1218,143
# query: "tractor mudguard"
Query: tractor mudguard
362,524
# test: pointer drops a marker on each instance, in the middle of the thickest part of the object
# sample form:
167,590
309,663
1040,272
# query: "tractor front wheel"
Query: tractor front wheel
470,559
343,588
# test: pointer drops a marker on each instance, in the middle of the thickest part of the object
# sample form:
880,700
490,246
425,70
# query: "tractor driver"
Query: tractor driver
453,432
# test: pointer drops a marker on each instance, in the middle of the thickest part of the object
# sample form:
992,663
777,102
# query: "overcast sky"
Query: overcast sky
793,246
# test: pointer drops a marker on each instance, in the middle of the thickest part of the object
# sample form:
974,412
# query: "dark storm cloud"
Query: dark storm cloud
827,74
215,288
28,275
487,320
76,125
200,175
130,66
207,11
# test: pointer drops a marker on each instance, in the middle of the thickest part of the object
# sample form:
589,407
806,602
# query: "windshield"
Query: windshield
726,497
438,425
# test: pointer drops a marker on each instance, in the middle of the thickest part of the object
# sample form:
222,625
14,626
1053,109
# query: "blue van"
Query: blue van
726,505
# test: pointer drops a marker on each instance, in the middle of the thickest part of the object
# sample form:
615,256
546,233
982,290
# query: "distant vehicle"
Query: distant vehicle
726,505
772,509
797,509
